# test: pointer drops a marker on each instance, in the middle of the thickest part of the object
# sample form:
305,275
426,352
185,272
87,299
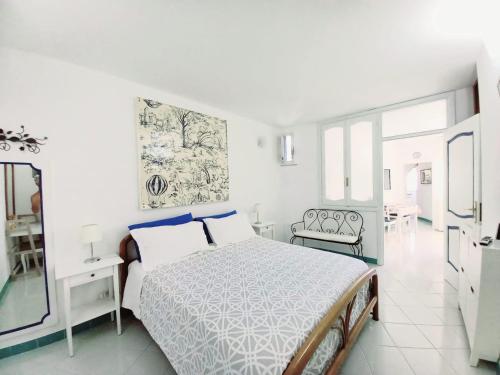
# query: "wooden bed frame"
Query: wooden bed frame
332,320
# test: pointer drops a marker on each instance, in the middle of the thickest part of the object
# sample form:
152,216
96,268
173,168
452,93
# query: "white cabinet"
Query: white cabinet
479,296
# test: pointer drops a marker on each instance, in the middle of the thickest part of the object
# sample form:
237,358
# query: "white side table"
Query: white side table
82,273
264,227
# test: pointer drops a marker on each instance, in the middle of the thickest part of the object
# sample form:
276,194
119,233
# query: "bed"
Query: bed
256,307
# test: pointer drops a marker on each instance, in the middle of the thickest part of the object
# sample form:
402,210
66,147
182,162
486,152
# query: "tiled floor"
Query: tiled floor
24,302
420,331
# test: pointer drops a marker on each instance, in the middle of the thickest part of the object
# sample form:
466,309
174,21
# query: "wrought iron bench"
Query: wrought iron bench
329,225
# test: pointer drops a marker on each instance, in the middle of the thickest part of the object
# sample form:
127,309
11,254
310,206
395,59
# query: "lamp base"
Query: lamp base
92,260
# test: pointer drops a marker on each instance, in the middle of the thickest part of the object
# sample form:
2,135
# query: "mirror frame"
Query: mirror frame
41,164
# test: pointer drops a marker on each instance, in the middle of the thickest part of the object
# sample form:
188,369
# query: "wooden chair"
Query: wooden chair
25,243
390,222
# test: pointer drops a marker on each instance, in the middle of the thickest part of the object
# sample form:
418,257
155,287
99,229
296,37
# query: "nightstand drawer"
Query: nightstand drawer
90,276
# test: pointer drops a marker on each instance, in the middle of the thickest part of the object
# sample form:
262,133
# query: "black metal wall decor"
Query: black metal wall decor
25,141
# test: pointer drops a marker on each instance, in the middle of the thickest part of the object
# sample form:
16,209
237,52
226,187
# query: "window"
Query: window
348,162
415,118
287,150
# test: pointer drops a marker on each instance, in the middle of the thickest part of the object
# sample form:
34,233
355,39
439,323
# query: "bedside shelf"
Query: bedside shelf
76,274
92,310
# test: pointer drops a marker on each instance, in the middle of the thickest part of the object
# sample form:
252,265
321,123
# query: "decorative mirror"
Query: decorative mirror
24,290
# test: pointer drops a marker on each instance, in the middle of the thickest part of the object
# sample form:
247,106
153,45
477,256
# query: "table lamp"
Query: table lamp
258,209
91,233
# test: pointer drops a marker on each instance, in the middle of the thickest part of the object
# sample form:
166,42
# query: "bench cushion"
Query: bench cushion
326,236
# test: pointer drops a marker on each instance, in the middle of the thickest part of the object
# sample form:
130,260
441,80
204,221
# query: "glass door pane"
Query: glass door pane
361,157
333,153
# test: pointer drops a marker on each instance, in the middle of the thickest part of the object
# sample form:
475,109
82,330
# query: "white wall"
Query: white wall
488,72
464,104
89,119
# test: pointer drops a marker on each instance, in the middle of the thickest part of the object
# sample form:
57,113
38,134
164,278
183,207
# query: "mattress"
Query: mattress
246,307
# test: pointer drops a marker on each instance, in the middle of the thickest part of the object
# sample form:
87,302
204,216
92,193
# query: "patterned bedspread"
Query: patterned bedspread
246,308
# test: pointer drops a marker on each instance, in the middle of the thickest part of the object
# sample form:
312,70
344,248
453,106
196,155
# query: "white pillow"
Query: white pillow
165,244
230,229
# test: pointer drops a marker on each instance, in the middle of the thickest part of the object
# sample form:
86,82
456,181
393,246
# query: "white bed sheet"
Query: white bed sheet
133,286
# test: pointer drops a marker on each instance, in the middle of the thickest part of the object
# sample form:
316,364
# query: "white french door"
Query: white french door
351,157
462,191
351,175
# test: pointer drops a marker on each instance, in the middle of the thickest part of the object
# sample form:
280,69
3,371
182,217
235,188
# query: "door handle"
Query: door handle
474,211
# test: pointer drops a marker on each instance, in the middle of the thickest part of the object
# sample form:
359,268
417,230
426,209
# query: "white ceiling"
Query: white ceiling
283,62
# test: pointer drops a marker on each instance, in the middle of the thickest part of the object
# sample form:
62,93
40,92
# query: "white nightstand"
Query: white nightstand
82,273
264,227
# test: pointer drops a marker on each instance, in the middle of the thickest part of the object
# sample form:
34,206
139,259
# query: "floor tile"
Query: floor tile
421,315
151,363
356,363
392,314
458,359
405,298
449,315
407,336
441,287
437,300
427,362
392,286
384,360
374,334
451,337
384,299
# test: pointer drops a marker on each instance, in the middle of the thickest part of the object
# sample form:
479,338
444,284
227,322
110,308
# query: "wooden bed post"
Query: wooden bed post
126,261
330,321
374,293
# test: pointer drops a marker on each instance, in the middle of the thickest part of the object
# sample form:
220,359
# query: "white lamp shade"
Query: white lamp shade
91,233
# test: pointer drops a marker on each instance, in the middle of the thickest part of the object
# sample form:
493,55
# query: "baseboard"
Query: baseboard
424,219
365,259
49,339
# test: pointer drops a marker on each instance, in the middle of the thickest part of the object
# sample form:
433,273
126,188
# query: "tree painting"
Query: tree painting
182,156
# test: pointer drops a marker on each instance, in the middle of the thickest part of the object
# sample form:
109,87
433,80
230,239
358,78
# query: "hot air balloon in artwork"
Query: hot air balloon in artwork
156,186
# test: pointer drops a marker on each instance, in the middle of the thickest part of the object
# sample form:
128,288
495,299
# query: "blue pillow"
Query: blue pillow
218,216
183,219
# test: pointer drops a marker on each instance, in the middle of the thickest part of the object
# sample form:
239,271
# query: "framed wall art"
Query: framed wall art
182,156
426,176
387,179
